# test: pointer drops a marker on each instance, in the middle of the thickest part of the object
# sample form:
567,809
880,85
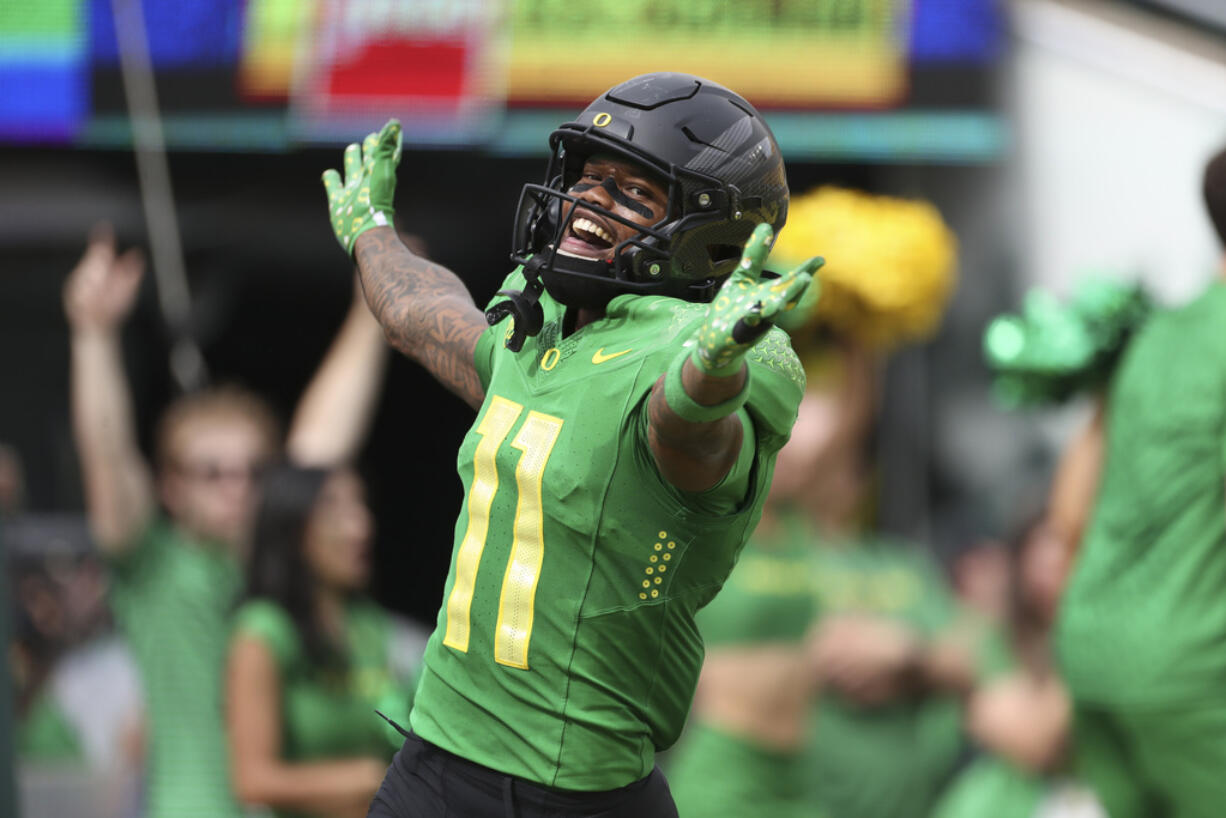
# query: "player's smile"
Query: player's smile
591,235
620,187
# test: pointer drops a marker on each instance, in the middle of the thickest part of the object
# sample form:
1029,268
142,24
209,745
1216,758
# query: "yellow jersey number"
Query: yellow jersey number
516,603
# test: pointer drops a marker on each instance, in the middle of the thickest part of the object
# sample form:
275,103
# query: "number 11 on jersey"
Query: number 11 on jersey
517,601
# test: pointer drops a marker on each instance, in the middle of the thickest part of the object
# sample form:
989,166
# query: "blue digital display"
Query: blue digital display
44,71
181,34
967,31
42,100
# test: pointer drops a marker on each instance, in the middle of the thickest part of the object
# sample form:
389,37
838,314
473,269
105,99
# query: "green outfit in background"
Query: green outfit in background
992,787
770,598
889,761
566,651
1142,631
172,598
332,716
716,774
44,734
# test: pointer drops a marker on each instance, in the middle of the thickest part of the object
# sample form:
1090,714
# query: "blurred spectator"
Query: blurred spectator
43,729
1141,635
78,700
891,653
817,612
1020,713
981,577
888,648
311,656
175,571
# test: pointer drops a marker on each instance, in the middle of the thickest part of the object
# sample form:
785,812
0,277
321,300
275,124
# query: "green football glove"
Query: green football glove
748,305
364,199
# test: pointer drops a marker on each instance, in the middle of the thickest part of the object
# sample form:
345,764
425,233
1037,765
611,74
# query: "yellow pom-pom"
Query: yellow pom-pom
890,262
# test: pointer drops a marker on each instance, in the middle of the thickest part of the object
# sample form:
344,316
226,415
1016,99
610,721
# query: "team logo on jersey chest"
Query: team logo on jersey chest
552,350
600,356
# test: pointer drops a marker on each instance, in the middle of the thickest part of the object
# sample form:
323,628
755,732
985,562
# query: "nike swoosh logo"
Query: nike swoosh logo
599,357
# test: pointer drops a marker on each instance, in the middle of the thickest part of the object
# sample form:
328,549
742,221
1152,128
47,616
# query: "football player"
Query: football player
632,394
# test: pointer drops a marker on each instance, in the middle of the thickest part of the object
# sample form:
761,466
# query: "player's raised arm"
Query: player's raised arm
334,414
98,296
424,308
1075,484
694,432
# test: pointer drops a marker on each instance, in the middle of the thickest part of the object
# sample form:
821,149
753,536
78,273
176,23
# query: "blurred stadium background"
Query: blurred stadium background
1056,137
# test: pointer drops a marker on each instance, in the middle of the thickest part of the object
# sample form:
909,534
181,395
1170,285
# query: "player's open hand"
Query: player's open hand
748,305
102,288
364,198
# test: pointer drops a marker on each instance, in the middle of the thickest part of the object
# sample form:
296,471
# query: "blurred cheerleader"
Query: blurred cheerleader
311,657
780,631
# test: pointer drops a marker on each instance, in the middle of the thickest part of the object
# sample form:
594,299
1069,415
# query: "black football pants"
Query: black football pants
425,781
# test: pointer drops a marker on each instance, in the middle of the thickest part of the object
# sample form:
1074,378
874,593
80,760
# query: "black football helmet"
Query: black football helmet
724,176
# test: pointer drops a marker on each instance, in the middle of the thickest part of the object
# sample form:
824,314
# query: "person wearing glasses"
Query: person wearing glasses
174,532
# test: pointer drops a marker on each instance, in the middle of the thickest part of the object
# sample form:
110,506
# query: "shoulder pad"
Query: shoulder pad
775,353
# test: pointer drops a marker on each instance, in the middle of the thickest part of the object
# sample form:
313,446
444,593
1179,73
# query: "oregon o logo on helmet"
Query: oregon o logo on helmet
602,119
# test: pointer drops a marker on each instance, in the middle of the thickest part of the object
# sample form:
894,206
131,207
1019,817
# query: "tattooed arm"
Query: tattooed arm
424,308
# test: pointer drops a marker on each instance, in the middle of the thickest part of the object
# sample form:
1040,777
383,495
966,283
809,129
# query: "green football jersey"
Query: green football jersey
1144,618
566,651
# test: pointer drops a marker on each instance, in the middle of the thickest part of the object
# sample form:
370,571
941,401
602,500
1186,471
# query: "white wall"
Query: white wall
1114,121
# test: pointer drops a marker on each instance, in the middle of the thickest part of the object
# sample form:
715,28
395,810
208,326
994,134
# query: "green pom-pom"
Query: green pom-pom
1054,350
